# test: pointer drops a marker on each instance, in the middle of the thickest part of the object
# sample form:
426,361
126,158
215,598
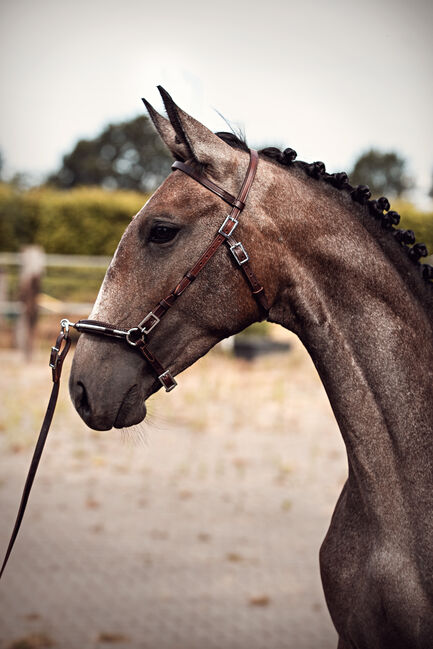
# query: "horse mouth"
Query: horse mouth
132,410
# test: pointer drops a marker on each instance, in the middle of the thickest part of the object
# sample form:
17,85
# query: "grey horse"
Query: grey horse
339,275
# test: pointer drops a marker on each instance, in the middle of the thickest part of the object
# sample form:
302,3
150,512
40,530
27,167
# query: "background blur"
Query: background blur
202,527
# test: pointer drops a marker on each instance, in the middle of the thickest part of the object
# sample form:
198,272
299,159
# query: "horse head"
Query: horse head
110,382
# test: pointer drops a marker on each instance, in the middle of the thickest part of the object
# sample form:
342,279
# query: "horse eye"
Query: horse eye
162,233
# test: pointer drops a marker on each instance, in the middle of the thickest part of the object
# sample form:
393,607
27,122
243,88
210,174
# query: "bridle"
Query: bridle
138,336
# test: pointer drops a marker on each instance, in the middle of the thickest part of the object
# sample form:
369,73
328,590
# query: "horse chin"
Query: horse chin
132,409
129,416
124,419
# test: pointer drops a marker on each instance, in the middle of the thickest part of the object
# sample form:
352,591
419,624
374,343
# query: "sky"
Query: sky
330,80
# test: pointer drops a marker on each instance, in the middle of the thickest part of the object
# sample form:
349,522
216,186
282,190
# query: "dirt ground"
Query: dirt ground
199,529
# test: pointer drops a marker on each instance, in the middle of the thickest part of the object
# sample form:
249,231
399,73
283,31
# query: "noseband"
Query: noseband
138,336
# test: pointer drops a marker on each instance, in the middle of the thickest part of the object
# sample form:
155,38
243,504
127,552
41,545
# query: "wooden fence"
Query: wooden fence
31,263
31,302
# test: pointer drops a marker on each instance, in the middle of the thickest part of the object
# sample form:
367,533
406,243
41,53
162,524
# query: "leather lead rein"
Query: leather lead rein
57,356
137,336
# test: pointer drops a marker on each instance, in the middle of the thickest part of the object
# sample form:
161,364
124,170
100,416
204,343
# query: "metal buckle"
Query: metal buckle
150,316
167,381
232,229
241,260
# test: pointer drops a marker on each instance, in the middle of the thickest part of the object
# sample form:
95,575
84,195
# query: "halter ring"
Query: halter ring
136,333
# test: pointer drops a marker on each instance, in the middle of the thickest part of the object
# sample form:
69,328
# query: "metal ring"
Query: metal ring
130,331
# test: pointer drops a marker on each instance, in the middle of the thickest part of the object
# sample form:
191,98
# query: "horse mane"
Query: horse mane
378,209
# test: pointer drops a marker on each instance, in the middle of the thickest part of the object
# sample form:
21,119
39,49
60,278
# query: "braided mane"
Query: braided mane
379,209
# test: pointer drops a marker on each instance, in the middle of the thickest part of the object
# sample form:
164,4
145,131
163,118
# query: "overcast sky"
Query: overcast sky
328,79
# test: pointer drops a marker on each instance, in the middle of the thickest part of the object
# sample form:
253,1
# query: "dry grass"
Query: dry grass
33,641
211,510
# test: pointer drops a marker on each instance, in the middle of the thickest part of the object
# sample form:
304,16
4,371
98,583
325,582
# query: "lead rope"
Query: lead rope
57,356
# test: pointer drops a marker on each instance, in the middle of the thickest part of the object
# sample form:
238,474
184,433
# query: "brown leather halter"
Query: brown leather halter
137,336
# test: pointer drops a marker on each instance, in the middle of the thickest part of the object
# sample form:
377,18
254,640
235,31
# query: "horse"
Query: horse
331,267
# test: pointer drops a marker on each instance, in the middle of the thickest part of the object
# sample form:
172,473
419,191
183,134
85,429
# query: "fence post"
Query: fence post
3,293
32,267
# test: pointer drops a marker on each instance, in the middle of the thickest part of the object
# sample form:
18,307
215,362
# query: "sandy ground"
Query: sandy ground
198,530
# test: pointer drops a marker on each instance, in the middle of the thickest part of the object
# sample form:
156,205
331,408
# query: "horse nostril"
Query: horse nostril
81,399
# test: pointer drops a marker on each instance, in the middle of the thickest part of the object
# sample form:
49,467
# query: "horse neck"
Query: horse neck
370,338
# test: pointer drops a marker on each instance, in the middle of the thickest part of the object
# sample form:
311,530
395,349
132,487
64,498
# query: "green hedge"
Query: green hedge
86,221
420,222
91,220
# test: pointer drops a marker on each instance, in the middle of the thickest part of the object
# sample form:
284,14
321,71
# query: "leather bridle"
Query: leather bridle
138,336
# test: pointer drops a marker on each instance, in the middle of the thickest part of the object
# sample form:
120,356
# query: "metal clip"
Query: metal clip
60,349
64,334
65,324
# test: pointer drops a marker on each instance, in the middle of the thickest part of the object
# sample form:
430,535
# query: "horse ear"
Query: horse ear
177,147
203,146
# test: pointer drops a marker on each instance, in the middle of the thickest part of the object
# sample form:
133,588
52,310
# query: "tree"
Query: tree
128,155
384,173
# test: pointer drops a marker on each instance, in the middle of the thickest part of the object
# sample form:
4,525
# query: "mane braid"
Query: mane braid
379,208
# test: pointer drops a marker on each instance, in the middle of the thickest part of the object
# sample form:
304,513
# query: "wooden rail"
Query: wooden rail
47,303
66,261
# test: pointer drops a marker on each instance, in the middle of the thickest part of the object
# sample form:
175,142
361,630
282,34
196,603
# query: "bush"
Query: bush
420,222
86,221
17,227
90,220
